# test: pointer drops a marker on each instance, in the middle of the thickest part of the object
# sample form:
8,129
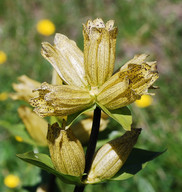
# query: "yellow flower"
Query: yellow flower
66,151
36,126
18,138
88,76
24,88
45,27
111,157
3,57
3,96
145,101
11,181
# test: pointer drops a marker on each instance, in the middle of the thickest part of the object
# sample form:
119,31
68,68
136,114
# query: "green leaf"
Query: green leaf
136,161
18,130
73,117
122,116
44,162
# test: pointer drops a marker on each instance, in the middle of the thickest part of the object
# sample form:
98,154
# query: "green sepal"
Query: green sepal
73,117
122,116
44,162
18,130
136,161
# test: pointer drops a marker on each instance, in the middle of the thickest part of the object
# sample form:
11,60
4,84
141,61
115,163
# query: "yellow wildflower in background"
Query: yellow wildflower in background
145,101
46,27
3,57
3,96
11,181
18,138
88,76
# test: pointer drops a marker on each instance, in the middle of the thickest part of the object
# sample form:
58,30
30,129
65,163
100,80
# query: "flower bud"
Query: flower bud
66,151
110,157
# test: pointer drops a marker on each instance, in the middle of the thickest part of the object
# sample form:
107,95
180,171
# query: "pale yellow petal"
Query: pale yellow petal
140,77
90,56
126,98
24,88
36,126
110,25
116,78
56,80
61,100
109,159
103,56
137,59
113,34
113,92
66,151
67,59
99,50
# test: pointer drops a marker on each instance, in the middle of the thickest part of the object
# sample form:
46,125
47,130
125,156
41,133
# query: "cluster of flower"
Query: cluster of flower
80,82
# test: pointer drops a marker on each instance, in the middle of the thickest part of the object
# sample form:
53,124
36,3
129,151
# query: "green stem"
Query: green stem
91,147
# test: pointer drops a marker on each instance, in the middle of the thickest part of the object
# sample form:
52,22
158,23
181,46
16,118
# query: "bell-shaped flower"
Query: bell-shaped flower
87,76
24,88
66,151
36,126
111,157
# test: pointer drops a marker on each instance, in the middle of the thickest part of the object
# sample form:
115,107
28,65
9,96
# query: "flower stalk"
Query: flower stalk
91,146
52,183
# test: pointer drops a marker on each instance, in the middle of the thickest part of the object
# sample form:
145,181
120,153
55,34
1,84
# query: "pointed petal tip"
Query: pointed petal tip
59,37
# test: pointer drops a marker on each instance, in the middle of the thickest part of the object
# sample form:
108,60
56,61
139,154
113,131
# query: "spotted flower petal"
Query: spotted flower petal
137,59
60,100
66,151
99,50
129,84
67,59
91,81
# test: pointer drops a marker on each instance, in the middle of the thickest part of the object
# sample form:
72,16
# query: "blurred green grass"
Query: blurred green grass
145,26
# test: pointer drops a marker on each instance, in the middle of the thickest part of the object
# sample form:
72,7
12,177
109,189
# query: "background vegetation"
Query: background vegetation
145,26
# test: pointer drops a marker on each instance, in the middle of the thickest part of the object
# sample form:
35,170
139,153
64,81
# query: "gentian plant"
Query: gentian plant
86,82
